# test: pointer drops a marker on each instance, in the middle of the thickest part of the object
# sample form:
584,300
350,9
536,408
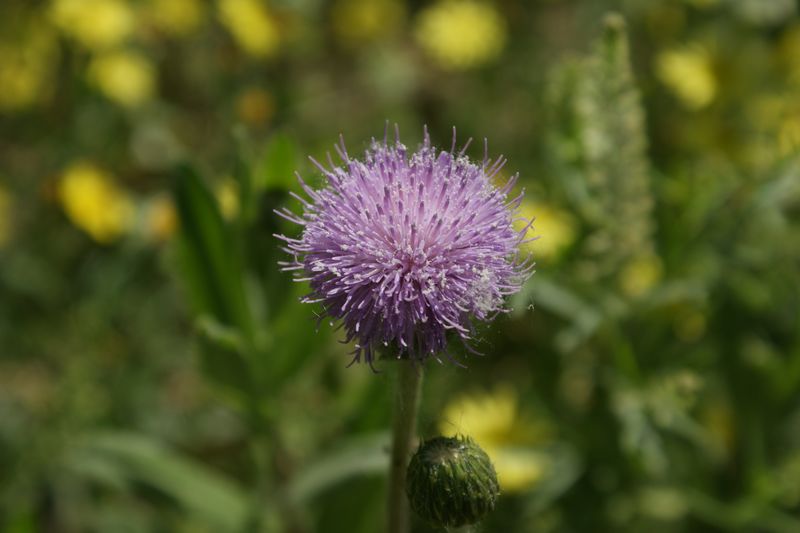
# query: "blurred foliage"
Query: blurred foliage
157,372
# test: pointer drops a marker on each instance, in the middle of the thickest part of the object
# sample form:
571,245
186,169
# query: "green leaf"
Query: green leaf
220,335
211,260
21,521
243,174
564,467
290,350
280,163
229,370
264,250
205,495
358,456
547,294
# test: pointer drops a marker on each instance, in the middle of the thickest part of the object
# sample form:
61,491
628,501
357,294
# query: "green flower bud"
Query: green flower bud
451,482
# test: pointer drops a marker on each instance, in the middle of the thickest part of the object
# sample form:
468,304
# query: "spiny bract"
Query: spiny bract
404,247
451,482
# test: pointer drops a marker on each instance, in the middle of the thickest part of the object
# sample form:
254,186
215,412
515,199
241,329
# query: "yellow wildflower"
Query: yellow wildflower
175,17
486,417
251,25
227,193
460,34
128,78
688,73
640,275
494,422
255,106
554,228
5,217
357,22
94,203
96,24
26,67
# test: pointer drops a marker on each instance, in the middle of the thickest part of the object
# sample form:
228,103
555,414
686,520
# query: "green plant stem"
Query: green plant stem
404,421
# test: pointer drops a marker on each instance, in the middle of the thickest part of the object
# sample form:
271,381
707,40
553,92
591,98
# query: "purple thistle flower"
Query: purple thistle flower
406,247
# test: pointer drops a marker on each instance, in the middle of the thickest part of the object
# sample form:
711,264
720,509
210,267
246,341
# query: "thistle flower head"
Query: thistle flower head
404,247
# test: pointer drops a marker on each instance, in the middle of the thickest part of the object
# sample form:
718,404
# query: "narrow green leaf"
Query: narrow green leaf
204,494
211,260
220,335
244,176
280,163
291,351
564,467
359,456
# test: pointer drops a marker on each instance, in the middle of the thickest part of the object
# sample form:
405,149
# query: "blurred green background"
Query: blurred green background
158,374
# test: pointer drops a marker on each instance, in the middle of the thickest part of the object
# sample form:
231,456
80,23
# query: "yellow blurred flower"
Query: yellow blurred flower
494,422
688,73
357,22
5,217
96,24
126,77
641,274
26,67
460,34
518,468
251,25
227,193
482,416
93,202
161,219
554,228
255,106
175,17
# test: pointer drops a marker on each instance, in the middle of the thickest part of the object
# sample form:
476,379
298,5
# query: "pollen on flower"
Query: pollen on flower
404,248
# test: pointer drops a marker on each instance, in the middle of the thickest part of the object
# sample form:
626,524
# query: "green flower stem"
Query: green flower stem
406,405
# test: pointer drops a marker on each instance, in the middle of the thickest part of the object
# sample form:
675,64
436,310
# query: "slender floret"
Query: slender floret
406,247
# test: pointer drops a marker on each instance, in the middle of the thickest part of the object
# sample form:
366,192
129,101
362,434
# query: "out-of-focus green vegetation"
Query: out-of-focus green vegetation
158,374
